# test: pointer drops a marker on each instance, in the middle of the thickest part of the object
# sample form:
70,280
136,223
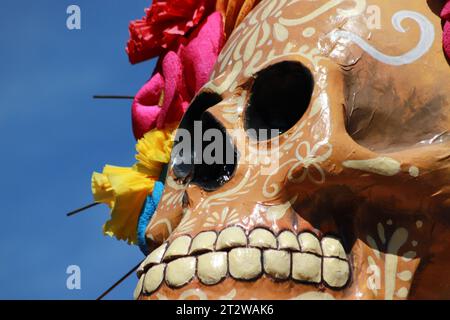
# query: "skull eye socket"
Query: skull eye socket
199,105
280,95
193,158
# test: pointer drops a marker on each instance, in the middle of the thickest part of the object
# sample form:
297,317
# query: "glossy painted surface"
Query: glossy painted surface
368,163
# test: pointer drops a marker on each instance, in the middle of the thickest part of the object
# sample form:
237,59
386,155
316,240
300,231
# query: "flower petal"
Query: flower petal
446,39
145,108
445,13
154,150
130,189
166,22
172,72
201,52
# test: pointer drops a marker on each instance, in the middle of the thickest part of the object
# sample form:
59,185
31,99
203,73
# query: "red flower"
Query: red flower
165,23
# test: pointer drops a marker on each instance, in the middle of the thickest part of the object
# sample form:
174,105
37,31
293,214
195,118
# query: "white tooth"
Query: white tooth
245,263
230,238
178,248
153,258
288,240
153,278
212,267
309,243
138,289
140,270
262,238
306,267
180,271
204,241
277,263
333,248
335,272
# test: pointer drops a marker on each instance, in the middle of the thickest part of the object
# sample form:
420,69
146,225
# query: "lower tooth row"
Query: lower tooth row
246,264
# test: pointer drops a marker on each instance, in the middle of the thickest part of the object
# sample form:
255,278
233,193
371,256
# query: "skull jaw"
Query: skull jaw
393,254
369,281
230,289
366,283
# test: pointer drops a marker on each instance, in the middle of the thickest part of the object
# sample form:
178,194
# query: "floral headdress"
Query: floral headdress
186,36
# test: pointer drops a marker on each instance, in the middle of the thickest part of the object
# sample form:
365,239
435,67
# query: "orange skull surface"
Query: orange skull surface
350,199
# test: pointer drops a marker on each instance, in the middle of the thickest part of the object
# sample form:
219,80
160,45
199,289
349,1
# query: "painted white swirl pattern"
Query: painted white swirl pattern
312,159
397,282
427,35
305,165
174,196
360,6
222,198
227,217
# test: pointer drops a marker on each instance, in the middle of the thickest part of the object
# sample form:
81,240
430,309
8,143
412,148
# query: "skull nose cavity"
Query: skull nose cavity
280,95
204,154
217,161
182,158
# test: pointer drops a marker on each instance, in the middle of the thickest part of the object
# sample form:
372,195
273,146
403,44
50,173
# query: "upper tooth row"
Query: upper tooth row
246,264
233,237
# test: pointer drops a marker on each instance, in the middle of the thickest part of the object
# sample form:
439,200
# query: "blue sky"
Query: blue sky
53,135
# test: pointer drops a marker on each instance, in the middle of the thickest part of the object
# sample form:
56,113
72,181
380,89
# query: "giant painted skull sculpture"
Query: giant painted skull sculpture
358,206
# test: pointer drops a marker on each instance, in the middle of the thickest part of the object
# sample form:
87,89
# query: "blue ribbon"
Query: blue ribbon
151,203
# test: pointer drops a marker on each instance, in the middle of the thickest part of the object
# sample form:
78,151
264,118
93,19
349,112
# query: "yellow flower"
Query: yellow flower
125,189
101,189
154,150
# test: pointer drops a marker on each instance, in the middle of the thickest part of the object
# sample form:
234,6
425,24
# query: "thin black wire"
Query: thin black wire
119,281
96,203
112,97
71,213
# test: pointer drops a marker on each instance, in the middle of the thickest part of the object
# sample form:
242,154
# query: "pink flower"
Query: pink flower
165,23
179,76
445,15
